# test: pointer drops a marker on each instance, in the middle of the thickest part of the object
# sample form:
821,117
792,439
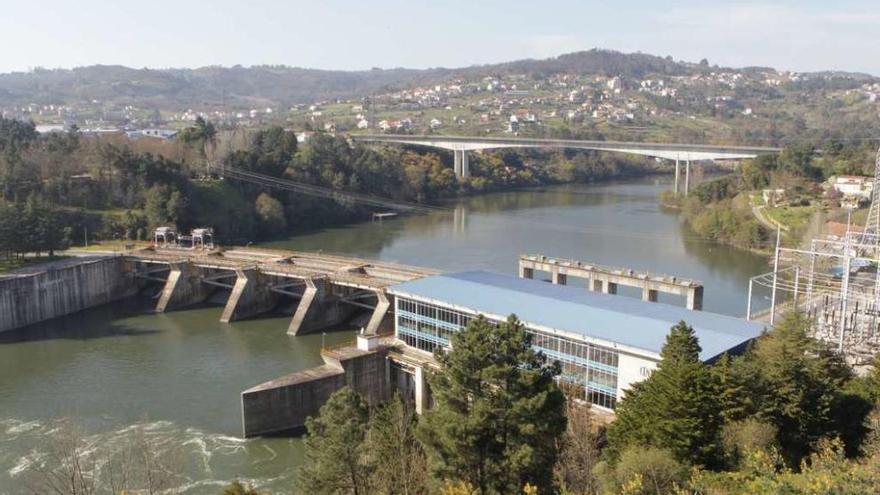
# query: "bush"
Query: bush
749,435
643,470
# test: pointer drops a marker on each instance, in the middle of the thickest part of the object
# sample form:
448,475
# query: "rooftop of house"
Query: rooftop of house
619,320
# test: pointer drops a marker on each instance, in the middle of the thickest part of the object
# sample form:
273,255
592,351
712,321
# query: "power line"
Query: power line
326,192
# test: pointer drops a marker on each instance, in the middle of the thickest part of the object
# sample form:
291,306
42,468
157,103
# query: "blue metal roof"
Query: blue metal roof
618,319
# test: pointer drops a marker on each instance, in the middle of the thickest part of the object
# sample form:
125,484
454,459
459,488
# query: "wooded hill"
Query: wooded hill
260,86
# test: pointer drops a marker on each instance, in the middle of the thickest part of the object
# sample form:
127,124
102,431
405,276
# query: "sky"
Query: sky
804,35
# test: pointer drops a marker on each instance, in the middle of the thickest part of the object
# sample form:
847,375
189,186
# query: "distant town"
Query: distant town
494,101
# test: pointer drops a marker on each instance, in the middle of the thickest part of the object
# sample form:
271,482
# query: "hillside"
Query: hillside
596,94
245,87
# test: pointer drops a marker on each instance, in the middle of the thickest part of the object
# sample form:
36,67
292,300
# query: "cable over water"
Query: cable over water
326,192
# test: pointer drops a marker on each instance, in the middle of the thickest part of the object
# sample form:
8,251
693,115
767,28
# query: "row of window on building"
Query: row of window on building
587,370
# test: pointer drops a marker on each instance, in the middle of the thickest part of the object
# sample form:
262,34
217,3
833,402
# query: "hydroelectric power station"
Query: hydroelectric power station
603,341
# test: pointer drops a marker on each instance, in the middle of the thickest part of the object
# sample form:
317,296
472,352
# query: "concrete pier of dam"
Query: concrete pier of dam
282,405
327,290
51,290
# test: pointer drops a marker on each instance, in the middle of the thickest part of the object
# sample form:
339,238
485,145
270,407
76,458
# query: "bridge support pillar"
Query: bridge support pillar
465,165
559,278
461,164
649,295
695,298
677,174
183,287
250,296
609,287
525,272
687,177
318,308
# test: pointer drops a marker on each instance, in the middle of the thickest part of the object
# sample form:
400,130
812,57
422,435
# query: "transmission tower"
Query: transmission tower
872,225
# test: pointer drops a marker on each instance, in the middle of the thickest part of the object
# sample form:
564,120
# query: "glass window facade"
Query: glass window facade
588,371
425,326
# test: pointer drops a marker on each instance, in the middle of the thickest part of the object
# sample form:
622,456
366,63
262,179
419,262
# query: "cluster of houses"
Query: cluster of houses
853,190
850,191
488,103
510,102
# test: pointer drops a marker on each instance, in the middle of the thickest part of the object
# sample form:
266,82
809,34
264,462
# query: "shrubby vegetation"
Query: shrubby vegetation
63,188
786,416
497,418
722,209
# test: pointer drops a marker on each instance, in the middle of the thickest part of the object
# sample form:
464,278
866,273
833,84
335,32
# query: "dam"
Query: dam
406,312
328,288
183,371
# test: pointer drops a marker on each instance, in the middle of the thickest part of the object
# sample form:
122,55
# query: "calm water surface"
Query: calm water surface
122,371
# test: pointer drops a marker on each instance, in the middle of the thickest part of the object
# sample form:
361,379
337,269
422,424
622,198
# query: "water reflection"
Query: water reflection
617,224
181,373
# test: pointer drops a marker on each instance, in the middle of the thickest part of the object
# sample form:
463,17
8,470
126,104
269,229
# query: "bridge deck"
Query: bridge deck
343,270
661,150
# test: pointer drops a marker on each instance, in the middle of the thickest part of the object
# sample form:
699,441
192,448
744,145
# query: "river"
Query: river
121,371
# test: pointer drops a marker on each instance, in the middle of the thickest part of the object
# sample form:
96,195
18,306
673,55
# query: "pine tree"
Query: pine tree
871,382
498,412
800,390
738,385
335,447
675,408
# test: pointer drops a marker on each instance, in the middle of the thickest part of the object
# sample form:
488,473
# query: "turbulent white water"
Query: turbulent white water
204,459
118,369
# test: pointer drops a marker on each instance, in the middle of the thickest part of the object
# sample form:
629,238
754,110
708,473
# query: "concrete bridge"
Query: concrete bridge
460,145
328,288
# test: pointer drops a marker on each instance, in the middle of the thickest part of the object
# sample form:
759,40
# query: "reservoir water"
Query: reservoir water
121,371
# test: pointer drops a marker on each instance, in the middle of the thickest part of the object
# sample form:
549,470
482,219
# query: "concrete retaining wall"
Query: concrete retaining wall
62,288
282,405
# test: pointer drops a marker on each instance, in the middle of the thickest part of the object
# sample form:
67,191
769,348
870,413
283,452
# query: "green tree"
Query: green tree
676,408
498,412
870,384
796,385
271,214
802,386
741,438
337,458
156,204
643,471
202,134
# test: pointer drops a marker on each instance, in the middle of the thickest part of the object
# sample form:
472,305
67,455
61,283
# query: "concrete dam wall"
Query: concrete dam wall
62,288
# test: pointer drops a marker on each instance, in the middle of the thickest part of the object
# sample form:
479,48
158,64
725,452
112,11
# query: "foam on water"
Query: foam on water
26,445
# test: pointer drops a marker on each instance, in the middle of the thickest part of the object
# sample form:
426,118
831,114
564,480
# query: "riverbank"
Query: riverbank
122,370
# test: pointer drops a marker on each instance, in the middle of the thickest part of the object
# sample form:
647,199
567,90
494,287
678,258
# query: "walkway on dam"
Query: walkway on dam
342,270
329,289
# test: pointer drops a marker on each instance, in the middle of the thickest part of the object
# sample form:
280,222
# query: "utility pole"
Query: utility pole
775,272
